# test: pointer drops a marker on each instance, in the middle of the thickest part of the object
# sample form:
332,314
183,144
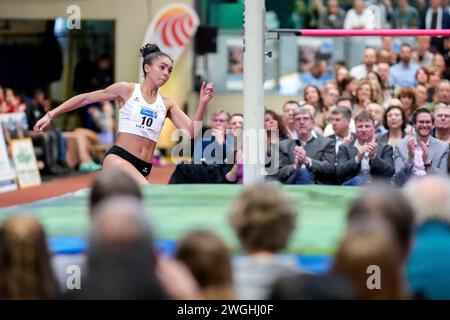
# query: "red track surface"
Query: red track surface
60,186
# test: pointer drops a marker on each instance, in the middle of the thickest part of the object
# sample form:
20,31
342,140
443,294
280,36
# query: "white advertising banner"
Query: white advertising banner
7,175
25,162
172,29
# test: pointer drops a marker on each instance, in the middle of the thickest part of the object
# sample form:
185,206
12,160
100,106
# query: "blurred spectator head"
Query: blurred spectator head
219,119
236,124
383,71
121,257
408,99
207,257
376,110
365,127
330,97
358,5
370,258
340,120
430,198
422,76
288,112
443,91
341,74
370,57
263,219
422,95
110,183
273,121
388,202
25,260
423,44
346,103
442,116
405,53
384,56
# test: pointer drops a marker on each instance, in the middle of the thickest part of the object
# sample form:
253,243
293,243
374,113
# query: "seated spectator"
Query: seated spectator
263,220
318,75
275,132
407,97
364,96
403,74
395,124
369,256
362,160
214,155
387,202
422,97
435,17
107,183
309,159
429,262
340,122
341,103
376,110
288,117
10,104
25,261
359,17
347,88
422,76
121,257
313,96
236,124
388,89
52,142
333,17
369,64
442,123
442,94
104,121
421,55
405,16
207,257
419,154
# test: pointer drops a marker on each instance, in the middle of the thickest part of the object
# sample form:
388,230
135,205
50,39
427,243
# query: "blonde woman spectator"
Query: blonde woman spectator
209,261
364,96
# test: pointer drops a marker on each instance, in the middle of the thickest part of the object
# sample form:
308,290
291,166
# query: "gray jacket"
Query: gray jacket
438,154
347,167
322,154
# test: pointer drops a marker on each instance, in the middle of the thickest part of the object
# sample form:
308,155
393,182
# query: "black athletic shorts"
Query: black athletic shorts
143,167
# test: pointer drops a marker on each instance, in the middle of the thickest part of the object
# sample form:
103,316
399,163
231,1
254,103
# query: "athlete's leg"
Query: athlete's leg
114,161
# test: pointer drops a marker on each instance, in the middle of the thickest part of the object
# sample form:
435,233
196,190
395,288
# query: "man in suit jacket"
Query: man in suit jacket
309,159
359,161
421,155
435,17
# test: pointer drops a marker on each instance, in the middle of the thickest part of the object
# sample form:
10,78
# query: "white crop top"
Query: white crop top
141,118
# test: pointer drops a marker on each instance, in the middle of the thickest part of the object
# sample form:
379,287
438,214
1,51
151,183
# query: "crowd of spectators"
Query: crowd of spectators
394,246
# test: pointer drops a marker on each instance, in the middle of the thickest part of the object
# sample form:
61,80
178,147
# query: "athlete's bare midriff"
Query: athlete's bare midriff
136,145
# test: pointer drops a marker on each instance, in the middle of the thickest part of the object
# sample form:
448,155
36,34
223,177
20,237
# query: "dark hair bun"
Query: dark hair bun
149,48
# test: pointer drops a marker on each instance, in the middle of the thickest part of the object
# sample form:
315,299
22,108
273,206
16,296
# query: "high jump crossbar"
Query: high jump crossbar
274,33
